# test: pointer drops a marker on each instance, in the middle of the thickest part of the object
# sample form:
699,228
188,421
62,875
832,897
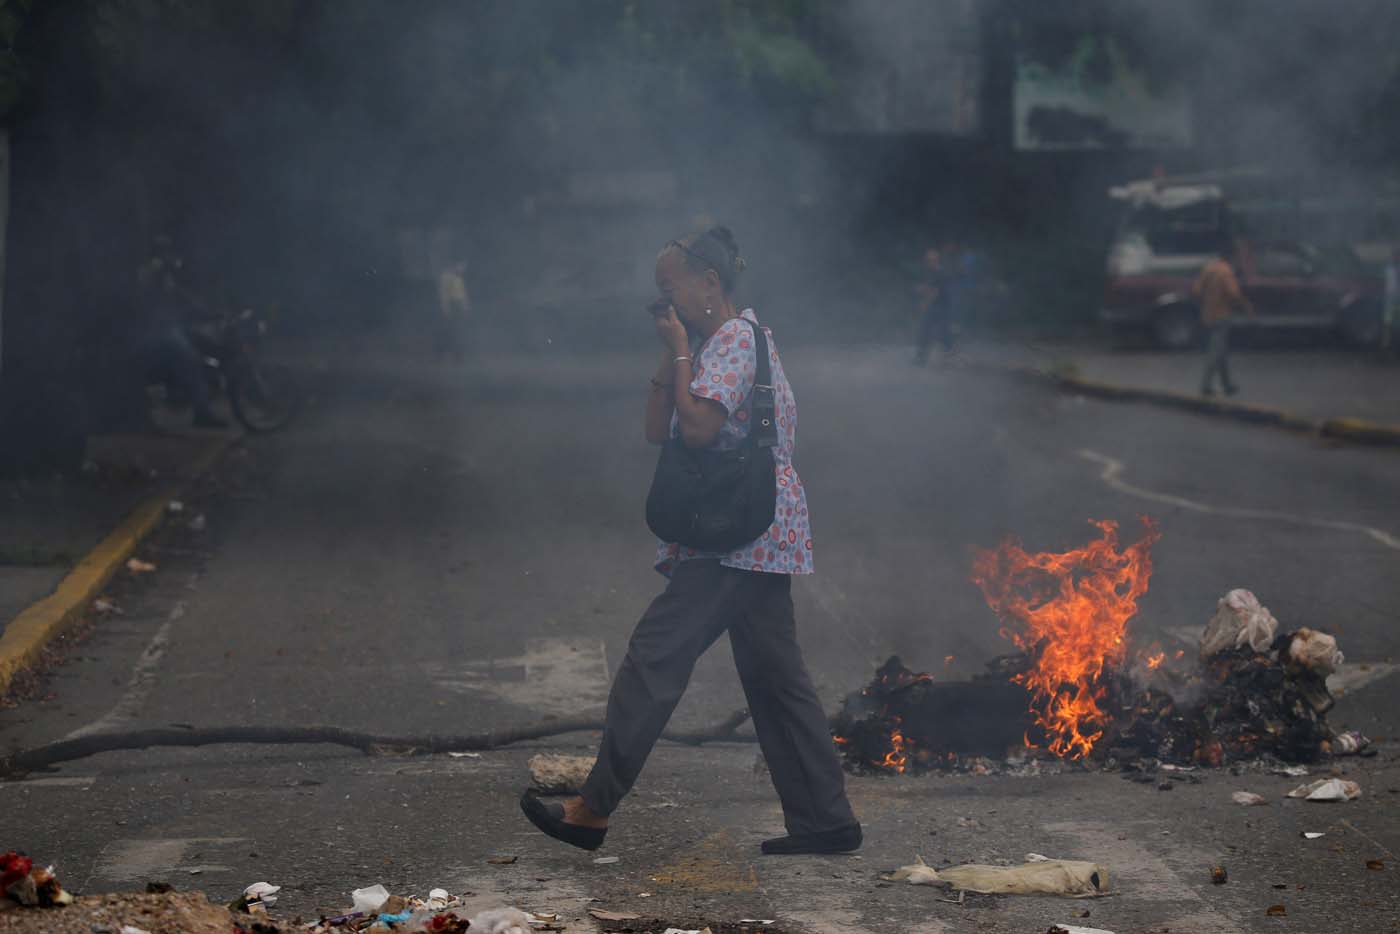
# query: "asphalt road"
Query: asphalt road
434,550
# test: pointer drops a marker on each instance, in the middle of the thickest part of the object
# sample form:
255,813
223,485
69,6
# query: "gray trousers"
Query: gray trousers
1217,358
703,600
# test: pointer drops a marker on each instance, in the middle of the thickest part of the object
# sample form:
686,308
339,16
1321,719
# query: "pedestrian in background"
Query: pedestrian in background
454,311
702,397
1392,300
935,317
1221,300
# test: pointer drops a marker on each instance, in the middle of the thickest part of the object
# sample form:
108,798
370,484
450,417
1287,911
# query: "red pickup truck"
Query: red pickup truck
1292,285
1169,230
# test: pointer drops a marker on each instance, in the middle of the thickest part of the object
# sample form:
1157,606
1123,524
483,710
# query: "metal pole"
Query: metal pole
4,219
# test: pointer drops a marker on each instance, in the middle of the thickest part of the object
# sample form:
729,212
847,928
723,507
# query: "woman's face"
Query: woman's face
688,291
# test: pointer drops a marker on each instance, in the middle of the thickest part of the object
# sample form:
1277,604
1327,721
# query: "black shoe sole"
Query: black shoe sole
549,818
841,840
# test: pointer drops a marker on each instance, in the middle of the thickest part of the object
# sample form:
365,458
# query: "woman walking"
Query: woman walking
703,397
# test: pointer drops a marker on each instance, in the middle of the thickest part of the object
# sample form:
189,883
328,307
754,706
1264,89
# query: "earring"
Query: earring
709,311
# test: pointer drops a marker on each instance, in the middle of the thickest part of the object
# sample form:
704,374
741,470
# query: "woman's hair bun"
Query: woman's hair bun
714,248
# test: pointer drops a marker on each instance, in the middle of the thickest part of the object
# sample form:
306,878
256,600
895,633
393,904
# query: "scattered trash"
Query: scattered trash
1073,929
133,929
1218,876
1312,835
559,775
1327,789
502,860
686,931
1072,878
369,899
1315,651
1239,621
465,755
29,885
175,507
1292,771
105,606
766,922
501,921
1276,911
1248,799
970,822
602,915
256,898
1376,864
137,566
198,523
1350,743
607,860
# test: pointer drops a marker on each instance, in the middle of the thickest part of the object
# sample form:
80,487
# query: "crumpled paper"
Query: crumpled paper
1239,620
1038,876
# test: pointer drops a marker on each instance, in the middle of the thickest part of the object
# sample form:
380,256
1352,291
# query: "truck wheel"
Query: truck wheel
1176,327
1361,325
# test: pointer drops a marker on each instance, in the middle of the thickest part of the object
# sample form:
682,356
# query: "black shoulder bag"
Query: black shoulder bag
713,500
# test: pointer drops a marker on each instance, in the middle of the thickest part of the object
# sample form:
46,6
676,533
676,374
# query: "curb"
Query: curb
1345,429
26,635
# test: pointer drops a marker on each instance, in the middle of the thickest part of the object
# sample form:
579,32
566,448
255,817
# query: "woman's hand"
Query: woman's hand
673,333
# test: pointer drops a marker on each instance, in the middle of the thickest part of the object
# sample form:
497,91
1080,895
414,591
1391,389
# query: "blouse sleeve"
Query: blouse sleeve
727,365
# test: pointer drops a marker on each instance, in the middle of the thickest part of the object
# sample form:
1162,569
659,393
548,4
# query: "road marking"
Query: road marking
143,678
59,781
1138,874
1348,677
149,860
1111,475
560,676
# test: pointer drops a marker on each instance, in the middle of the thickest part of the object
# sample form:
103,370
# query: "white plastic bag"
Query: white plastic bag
1239,620
1315,650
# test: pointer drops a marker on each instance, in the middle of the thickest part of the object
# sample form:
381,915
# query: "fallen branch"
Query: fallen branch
40,757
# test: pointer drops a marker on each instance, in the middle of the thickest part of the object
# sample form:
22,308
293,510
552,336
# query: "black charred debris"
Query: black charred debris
1237,707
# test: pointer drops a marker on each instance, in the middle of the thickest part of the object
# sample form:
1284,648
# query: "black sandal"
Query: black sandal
549,818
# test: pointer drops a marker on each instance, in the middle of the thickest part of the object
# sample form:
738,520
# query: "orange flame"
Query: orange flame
1155,661
1072,610
896,758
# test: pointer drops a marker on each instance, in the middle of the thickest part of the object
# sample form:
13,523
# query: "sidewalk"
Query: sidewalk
51,526
1316,385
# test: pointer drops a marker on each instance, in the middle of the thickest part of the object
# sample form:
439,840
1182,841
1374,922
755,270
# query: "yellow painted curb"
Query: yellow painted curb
1346,429
27,634
1358,429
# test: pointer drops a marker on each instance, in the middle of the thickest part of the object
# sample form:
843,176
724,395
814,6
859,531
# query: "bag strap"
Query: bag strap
763,374
763,428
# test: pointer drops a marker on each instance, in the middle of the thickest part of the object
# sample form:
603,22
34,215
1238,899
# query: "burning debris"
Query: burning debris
1072,611
1076,691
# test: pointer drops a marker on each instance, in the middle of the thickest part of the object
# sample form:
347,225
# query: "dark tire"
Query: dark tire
264,397
1176,327
1361,325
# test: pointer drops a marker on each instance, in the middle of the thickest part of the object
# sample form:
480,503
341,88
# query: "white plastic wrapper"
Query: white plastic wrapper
369,899
1239,620
1327,789
502,921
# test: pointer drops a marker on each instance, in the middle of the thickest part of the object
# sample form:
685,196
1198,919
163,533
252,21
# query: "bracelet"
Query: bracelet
679,359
